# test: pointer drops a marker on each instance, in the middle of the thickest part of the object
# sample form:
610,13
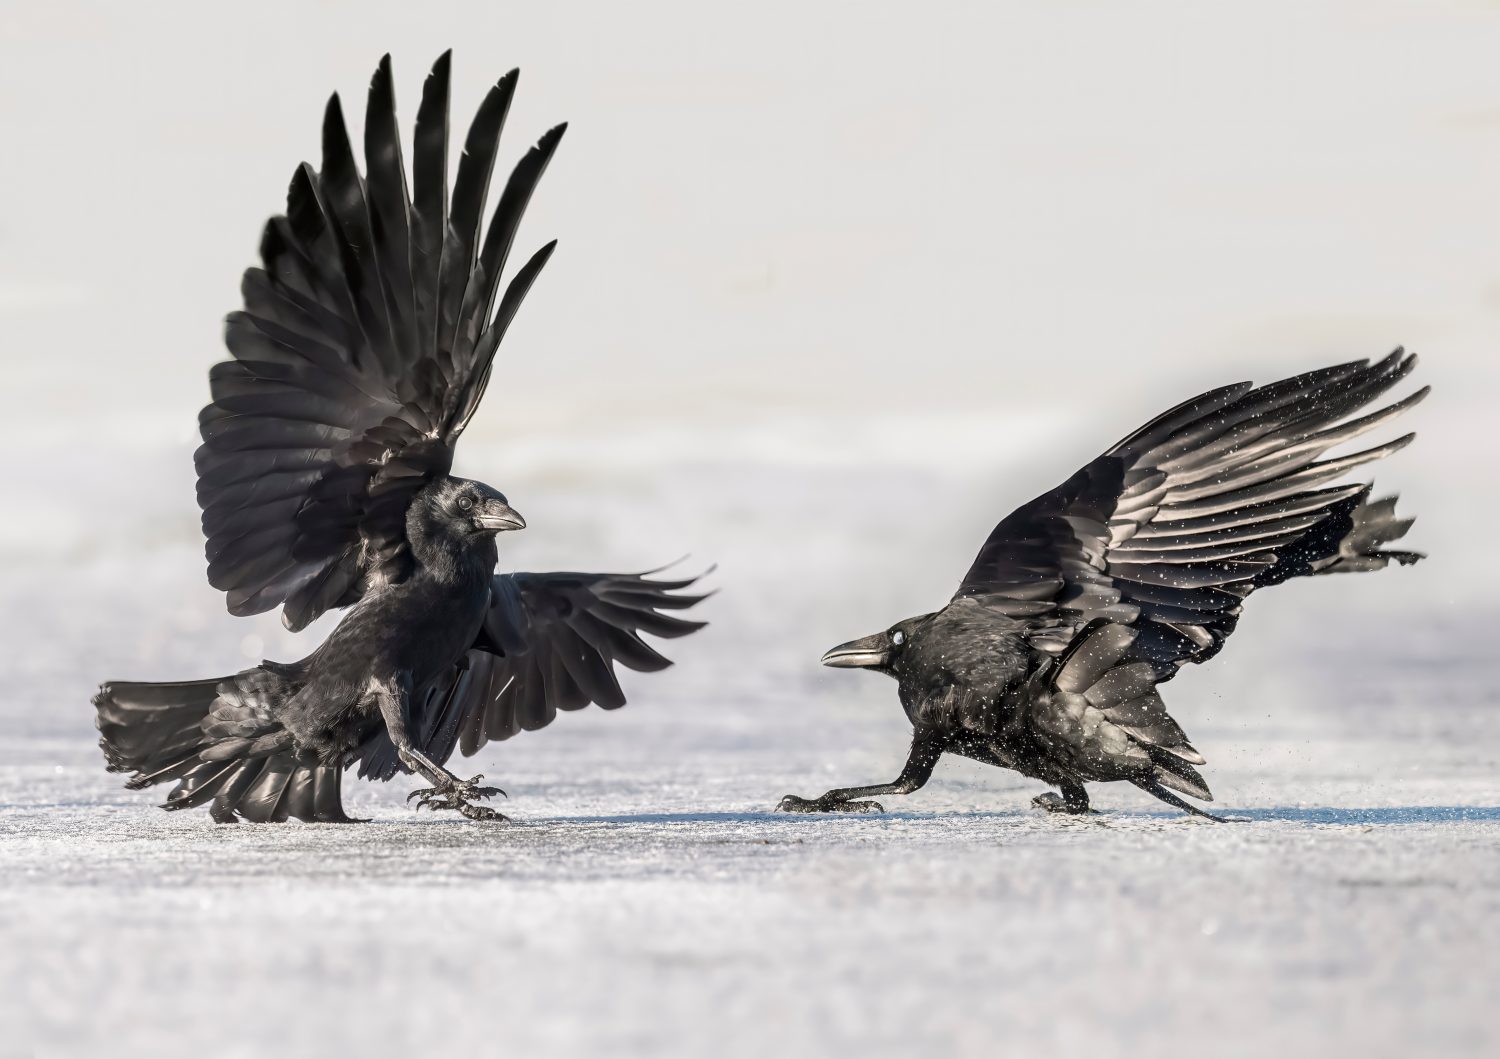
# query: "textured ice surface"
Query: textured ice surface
647,902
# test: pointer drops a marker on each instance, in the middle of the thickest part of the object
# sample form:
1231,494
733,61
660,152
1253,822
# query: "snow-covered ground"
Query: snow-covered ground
839,285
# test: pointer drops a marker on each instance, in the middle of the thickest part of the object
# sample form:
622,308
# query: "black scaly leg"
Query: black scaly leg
925,751
447,790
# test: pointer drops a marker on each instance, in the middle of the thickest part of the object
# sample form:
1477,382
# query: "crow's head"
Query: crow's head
882,652
461,510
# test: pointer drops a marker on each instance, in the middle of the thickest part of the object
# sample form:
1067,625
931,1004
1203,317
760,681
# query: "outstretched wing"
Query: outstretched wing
550,642
363,348
1173,527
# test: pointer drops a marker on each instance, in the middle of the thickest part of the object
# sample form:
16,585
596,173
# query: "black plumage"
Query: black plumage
366,341
1048,658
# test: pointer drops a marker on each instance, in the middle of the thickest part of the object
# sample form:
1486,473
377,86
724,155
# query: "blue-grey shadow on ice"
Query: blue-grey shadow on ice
1383,816
770,816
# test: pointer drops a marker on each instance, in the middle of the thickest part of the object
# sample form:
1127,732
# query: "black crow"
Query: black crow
1080,603
365,344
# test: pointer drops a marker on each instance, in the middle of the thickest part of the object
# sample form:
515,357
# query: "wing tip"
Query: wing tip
382,82
688,580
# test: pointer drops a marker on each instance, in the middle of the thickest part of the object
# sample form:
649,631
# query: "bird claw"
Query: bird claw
1055,803
793,804
457,795
482,812
469,789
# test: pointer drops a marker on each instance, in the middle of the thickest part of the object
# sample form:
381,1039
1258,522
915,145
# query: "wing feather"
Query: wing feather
344,393
550,643
1182,519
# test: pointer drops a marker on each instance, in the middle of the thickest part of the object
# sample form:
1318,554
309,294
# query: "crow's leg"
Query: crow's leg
925,751
447,790
1074,799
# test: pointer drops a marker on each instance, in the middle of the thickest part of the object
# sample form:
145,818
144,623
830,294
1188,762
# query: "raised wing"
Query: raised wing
550,642
363,348
1174,526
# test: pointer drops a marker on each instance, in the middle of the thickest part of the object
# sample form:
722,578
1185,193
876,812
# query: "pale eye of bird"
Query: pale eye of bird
898,637
464,503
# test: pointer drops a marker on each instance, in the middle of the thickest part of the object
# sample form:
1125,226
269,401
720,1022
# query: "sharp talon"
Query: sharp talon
457,796
793,804
1056,803
471,789
481,812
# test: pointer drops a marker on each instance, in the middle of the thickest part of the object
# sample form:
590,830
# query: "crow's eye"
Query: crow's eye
898,637
465,502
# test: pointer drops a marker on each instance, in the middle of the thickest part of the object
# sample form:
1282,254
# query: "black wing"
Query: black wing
550,642
1173,527
361,353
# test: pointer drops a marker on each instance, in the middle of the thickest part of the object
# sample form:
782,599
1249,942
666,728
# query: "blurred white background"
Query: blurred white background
838,285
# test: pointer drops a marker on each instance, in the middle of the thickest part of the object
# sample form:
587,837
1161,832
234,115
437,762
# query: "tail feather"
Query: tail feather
1172,771
219,742
262,801
1347,541
1157,790
227,797
148,728
1371,524
202,782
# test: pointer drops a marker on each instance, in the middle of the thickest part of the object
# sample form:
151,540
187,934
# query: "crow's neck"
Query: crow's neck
448,557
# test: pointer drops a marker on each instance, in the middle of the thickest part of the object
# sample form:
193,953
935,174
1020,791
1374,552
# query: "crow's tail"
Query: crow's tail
218,741
1349,540
1371,524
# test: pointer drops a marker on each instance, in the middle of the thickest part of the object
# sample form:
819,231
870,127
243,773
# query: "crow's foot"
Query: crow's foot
793,804
457,795
1056,803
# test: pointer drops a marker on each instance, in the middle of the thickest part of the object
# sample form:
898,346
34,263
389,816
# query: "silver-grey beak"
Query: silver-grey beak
499,517
869,652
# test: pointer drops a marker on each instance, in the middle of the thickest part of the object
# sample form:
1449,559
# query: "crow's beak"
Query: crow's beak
498,516
870,652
